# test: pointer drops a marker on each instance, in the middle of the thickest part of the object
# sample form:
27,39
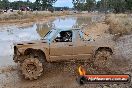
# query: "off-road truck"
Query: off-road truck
59,45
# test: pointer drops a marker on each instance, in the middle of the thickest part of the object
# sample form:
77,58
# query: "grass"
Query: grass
120,24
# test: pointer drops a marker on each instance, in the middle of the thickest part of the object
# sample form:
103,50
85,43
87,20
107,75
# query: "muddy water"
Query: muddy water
11,34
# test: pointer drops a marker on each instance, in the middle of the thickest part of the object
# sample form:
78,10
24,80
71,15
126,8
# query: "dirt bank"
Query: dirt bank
23,16
26,19
23,19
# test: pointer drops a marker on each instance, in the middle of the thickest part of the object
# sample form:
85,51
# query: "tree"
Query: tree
5,4
128,4
79,4
87,5
17,4
90,5
28,1
117,5
98,5
44,4
1,4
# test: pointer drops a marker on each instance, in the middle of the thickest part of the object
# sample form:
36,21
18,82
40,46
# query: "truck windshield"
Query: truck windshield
49,34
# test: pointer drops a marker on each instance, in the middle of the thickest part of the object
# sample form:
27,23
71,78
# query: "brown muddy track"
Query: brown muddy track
56,75
63,75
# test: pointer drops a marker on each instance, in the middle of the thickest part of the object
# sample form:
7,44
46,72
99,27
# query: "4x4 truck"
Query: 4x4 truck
59,45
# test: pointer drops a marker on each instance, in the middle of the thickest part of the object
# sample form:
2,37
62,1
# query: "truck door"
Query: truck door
62,46
82,49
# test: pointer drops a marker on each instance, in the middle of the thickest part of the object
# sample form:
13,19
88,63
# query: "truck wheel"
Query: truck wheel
32,68
103,58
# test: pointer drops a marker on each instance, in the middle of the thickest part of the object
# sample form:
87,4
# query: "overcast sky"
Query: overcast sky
59,3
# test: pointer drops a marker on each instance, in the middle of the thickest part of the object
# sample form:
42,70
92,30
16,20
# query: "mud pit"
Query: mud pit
58,75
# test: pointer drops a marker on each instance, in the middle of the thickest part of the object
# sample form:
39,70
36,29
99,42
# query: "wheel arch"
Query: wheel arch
104,48
38,51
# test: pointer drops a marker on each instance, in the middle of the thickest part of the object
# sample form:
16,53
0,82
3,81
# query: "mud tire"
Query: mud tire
31,68
103,59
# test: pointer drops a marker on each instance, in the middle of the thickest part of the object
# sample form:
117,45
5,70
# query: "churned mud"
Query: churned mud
63,75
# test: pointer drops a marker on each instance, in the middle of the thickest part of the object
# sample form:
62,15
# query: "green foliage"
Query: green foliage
117,5
81,5
90,4
103,5
4,4
38,4
87,5
129,4
44,4
17,4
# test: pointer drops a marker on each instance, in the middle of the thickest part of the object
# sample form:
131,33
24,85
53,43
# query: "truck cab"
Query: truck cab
59,45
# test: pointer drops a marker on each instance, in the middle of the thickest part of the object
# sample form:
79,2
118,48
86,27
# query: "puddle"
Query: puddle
11,34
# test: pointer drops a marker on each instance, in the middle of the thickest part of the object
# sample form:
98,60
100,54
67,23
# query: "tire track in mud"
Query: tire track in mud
56,75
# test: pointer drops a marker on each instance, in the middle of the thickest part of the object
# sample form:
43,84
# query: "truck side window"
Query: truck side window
85,37
64,36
